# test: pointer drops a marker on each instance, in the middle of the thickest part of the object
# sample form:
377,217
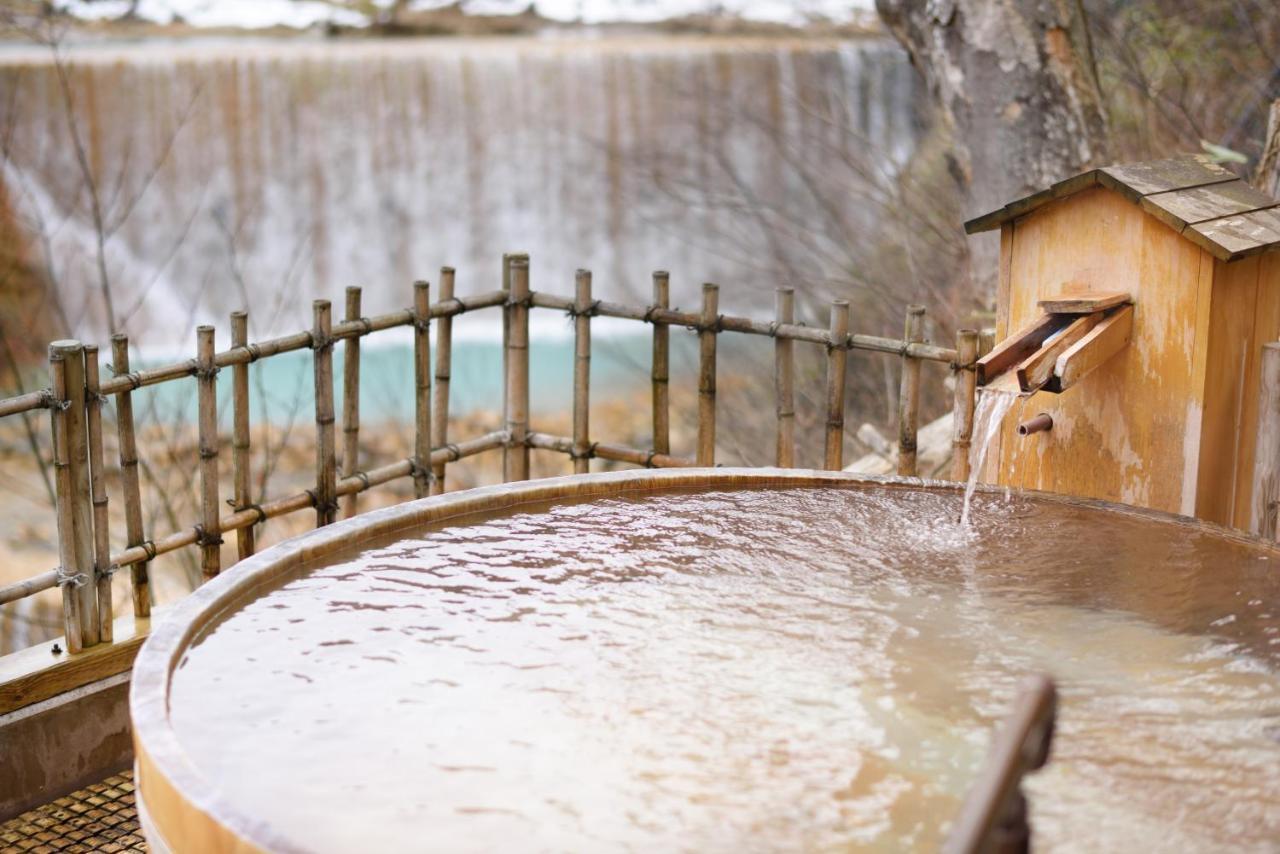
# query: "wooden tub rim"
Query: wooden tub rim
182,804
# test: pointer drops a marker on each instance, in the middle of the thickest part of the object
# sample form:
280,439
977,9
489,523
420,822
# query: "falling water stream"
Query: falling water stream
992,407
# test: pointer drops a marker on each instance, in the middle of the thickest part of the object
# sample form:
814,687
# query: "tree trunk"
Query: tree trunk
1015,82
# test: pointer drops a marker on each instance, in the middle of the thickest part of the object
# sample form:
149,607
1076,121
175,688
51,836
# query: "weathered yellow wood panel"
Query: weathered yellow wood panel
1266,328
1117,434
1230,336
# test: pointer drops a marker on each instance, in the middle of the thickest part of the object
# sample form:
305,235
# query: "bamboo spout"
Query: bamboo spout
1040,424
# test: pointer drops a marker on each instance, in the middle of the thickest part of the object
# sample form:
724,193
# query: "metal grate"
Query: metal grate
98,818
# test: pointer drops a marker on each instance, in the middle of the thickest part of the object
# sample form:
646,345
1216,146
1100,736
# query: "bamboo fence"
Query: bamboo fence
77,394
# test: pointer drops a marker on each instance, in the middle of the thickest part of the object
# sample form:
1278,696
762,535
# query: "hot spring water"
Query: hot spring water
812,668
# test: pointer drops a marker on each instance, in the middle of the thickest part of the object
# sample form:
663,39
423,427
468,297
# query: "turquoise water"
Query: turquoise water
281,388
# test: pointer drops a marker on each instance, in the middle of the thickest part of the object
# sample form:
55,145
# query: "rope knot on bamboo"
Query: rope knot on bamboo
256,508
71,579
148,548
716,326
321,342
132,377
416,469
591,310
206,373
255,352
205,538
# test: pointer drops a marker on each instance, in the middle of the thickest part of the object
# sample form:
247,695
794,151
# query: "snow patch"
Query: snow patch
301,14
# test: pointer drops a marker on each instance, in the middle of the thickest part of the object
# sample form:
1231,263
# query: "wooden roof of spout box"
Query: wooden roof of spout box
1197,198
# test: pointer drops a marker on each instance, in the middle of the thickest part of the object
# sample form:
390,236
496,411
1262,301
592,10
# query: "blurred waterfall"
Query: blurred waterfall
266,173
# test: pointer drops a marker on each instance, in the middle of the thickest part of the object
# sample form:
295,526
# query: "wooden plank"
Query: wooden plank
1017,347
1135,180
1230,333
1266,467
1266,328
1102,342
38,672
1037,369
1084,303
1234,237
1180,208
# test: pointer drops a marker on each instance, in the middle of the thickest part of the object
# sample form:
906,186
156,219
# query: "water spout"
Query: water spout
1040,424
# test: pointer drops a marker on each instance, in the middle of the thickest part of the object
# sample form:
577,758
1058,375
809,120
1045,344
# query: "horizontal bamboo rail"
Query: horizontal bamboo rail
76,399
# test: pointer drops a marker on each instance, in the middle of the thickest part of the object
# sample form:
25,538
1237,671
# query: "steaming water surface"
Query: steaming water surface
748,670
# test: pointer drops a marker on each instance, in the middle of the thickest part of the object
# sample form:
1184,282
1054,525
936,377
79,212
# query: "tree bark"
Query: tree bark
1015,83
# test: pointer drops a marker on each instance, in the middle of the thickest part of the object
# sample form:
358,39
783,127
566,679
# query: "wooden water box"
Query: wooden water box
1163,413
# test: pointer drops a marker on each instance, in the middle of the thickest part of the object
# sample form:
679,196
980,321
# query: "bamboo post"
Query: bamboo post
1266,459
245,546
209,535
582,372
444,367
351,403
69,576
516,455
79,494
837,365
506,331
422,389
708,327
909,395
102,571
326,452
966,392
125,438
661,371
784,379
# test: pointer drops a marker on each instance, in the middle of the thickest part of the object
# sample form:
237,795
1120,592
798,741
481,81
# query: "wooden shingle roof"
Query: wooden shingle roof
1199,199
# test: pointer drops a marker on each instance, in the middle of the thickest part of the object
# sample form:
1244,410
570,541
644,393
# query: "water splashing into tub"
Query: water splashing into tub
993,405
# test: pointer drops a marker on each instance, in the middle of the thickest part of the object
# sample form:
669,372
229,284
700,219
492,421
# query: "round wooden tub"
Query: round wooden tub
183,809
